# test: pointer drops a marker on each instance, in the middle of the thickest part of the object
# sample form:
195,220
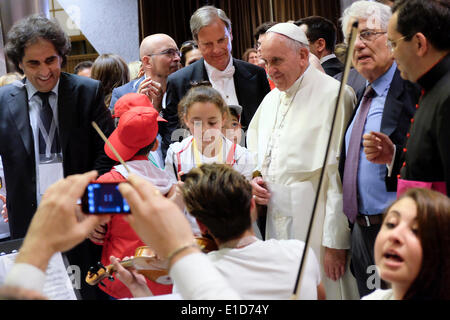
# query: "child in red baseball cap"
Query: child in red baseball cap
132,100
133,139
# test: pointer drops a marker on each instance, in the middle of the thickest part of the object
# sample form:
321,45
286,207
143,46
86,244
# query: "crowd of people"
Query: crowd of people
271,158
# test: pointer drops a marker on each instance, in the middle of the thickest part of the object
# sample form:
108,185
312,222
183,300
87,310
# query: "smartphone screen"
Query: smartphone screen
104,198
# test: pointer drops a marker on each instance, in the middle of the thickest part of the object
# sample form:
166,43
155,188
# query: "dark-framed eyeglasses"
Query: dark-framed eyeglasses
170,52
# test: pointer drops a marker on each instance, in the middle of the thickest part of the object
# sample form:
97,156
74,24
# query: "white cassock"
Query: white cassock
289,135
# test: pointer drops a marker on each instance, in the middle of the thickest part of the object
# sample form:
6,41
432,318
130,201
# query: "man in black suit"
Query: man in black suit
420,43
239,82
387,106
321,34
45,123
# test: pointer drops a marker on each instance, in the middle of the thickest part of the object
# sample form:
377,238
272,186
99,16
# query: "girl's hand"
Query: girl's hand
134,281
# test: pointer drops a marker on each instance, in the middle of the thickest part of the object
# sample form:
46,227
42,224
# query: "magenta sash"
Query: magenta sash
404,185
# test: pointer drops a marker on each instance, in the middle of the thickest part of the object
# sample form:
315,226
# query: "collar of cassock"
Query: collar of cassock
429,79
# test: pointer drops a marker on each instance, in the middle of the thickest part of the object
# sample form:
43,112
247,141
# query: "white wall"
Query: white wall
2,55
111,26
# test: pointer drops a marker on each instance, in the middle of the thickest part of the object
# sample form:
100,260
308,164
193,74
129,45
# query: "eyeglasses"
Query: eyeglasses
392,44
170,52
369,35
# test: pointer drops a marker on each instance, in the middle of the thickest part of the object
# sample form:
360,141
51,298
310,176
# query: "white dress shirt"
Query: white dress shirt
34,103
223,82
326,58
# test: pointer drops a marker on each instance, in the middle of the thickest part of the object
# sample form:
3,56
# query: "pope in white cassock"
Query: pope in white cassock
289,135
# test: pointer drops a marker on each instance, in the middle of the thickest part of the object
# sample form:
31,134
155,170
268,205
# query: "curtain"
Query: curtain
285,10
167,16
245,16
172,16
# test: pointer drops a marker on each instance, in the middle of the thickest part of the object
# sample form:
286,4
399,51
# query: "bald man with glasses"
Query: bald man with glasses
386,104
160,57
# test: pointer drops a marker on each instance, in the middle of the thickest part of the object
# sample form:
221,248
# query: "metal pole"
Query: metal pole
271,10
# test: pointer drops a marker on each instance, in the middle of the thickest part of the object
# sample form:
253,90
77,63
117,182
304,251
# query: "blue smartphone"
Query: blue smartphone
104,198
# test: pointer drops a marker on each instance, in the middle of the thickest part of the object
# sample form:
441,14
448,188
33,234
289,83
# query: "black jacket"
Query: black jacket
333,66
80,101
427,156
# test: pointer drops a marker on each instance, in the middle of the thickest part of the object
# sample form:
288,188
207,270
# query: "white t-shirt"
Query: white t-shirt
267,270
380,294
197,279
147,170
195,275
243,163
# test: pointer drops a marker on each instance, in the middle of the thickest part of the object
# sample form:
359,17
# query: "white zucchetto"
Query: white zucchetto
290,30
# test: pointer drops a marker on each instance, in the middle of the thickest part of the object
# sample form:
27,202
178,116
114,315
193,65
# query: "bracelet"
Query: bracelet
180,249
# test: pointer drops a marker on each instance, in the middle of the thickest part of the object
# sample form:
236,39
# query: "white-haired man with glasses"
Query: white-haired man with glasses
386,104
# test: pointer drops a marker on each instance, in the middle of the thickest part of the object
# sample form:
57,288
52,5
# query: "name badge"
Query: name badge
49,173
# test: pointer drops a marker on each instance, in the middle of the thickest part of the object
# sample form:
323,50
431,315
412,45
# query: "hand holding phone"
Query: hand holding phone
104,198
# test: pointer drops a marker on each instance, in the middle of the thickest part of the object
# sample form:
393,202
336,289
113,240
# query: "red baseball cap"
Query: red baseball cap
131,100
137,128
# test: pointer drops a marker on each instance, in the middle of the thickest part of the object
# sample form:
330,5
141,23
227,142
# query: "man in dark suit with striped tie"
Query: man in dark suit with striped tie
45,125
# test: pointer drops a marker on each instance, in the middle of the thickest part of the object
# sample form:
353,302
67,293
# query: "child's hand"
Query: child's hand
134,281
177,196
98,234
